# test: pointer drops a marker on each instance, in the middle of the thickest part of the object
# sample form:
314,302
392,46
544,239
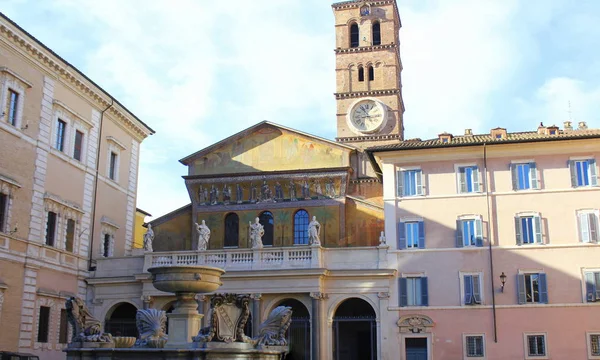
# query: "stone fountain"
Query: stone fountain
223,339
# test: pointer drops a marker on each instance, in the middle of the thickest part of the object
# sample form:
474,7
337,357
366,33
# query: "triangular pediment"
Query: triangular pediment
268,147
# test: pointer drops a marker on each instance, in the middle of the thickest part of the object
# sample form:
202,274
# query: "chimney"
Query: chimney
541,130
468,132
582,125
568,125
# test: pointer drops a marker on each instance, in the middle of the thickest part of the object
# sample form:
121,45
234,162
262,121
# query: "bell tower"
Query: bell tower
368,86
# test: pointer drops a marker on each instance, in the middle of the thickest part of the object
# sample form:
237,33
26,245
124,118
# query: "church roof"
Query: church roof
186,160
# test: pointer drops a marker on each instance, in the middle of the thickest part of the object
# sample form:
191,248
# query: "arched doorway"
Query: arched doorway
354,331
298,335
168,309
121,320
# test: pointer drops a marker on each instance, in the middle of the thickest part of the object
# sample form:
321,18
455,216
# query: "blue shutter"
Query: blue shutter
476,289
468,284
419,178
421,235
402,292
400,180
522,287
479,232
401,235
573,172
533,175
538,229
593,172
543,288
590,293
515,176
476,185
518,231
424,292
459,233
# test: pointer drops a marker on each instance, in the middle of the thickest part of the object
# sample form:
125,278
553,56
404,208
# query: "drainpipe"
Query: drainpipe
91,248
489,234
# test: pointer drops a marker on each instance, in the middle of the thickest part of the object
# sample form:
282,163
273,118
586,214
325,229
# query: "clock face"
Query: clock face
367,116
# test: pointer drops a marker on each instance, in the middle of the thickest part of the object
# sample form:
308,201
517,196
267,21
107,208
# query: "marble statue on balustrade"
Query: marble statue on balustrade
226,194
239,193
151,324
148,238
86,328
256,233
292,189
203,236
314,232
278,192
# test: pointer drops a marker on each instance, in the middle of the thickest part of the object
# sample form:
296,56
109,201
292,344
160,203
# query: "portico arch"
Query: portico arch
354,330
298,335
120,320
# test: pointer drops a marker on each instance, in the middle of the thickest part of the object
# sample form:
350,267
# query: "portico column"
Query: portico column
256,315
384,299
315,324
146,299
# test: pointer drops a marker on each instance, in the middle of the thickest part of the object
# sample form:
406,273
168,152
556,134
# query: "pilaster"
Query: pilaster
256,312
28,306
316,328
83,248
131,194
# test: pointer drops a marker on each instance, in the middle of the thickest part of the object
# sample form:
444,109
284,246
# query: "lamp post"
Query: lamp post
502,281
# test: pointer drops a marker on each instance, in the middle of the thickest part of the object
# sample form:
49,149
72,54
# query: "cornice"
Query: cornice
56,66
354,139
358,94
354,4
361,49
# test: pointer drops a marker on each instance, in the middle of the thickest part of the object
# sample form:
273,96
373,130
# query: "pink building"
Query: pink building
495,242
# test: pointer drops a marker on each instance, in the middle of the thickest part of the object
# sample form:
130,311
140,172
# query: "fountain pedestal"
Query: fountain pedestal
184,322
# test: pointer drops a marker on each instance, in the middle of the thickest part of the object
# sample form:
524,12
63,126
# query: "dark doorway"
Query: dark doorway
232,230
354,331
266,220
299,332
122,321
169,309
416,348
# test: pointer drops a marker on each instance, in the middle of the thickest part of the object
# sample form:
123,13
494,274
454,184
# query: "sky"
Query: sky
197,71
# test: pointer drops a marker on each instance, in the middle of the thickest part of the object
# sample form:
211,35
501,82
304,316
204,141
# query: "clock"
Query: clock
366,115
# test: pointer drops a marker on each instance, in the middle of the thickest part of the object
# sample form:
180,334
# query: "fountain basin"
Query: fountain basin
193,279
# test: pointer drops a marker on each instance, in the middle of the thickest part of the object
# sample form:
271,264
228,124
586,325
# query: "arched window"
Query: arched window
376,34
301,228
232,230
266,220
371,73
361,73
354,35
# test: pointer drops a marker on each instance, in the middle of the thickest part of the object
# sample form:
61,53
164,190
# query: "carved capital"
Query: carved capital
256,296
319,295
383,295
146,298
199,297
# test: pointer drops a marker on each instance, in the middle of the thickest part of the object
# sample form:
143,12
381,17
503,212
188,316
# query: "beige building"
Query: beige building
69,156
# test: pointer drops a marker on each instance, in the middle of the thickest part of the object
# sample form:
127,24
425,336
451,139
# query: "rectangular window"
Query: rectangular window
63,333
78,145
413,291
43,324
410,182
583,173
536,345
524,176
112,172
3,211
528,229
61,129
469,232
588,226
592,286
411,235
13,102
594,344
106,246
468,179
51,228
472,289
70,236
532,288
474,346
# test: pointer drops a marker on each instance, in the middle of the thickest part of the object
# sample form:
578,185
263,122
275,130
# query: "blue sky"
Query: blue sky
198,71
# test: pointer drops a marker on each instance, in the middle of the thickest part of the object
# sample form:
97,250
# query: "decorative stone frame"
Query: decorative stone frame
109,227
11,80
3,288
65,211
114,146
588,341
43,301
8,187
526,345
464,345
75,122
416,326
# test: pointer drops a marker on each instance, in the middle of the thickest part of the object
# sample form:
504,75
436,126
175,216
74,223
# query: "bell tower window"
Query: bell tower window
371,73
376,33
361,73
354,35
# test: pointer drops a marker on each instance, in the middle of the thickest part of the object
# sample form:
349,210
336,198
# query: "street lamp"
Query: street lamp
503,281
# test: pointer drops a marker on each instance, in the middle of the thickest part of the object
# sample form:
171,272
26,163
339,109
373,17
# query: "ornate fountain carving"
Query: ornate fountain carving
272,331
151,325
228,316
86,328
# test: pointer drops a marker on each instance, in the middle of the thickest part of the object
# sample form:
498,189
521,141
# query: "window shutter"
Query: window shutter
468,284
597,284
479,232
421,235
462,180
518,230
590,294
400,180
573,172
402,292
522,289
459,234
584,227
593,172
538,229
543,288
533,175
593,226
420,179
424,292
515,176
476,289
401,235
476,184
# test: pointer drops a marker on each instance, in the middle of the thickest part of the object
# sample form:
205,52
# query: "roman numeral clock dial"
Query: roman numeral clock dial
367,115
